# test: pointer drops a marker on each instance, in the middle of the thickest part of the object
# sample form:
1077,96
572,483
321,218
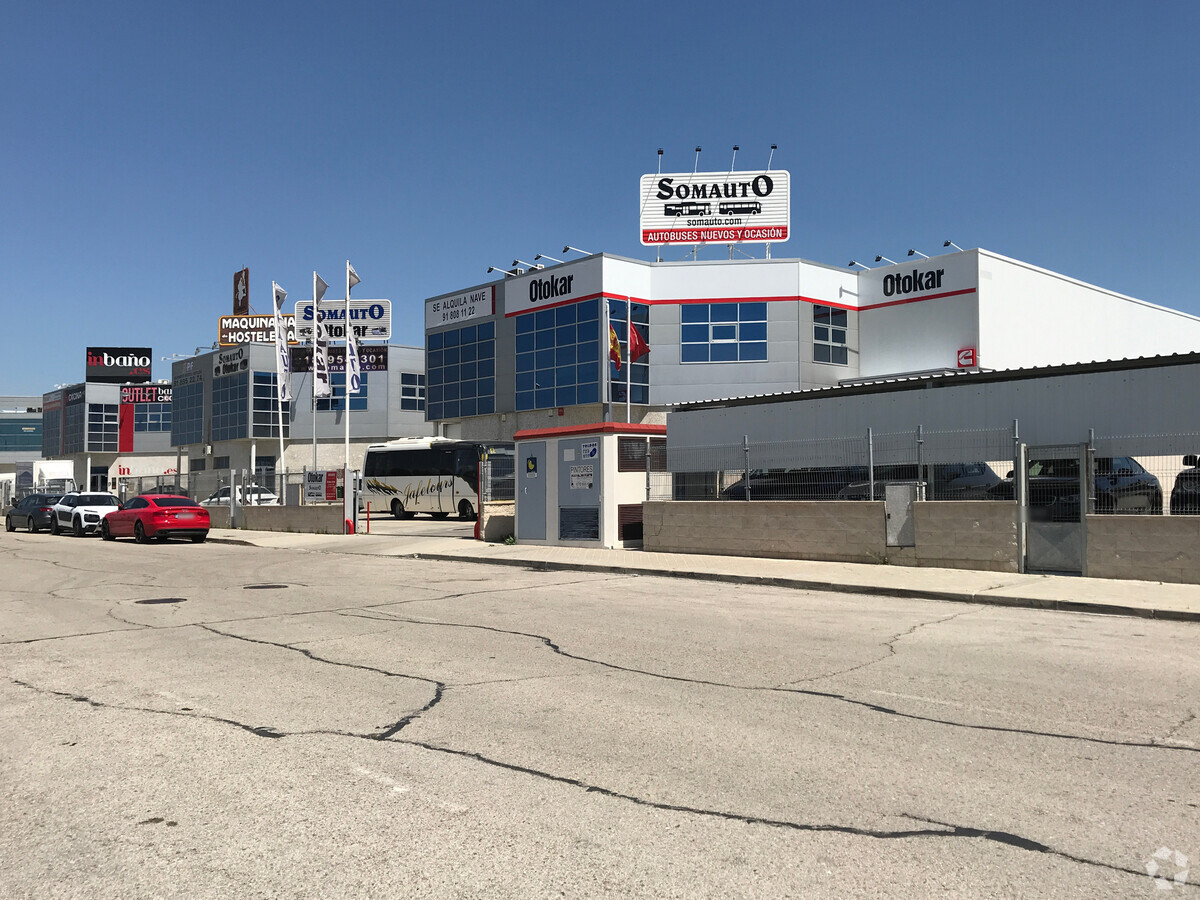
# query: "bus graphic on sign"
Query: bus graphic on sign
687,208
740,208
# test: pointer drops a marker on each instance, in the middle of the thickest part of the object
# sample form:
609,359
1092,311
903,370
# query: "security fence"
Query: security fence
497,478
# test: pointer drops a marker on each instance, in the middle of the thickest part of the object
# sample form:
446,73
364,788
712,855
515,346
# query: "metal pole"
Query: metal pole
647,467
628,357
871,464
1021,485
746,451
921,460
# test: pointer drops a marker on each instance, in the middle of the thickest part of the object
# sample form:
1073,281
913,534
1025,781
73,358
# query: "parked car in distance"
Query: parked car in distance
157,517
1185,495
32,512
946,481
81,513
811,483
252,496
1123,487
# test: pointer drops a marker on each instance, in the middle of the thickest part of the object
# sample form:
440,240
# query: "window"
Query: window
461,371
102,427
23,435
829,335
337,383
412,390
633,374
558,356
152,417
187,413
197,465
265,419
220,462
230,407
723,332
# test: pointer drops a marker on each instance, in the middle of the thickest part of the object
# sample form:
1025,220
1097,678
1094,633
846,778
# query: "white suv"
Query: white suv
81,513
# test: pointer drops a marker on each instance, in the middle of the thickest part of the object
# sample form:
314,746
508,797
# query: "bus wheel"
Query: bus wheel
465,509
397,509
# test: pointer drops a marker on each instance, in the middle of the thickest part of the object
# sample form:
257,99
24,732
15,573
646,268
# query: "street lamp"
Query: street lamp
576,249
885,259
952,244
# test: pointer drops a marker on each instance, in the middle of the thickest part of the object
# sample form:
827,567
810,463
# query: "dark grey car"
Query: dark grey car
32,512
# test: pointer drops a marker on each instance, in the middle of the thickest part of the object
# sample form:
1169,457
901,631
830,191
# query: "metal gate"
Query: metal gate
1052,497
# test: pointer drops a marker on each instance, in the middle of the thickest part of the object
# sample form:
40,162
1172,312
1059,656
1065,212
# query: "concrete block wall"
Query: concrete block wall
838,532
1146,548
497,520
967,534
324,519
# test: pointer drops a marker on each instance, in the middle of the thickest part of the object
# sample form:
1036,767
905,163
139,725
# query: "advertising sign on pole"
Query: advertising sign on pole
241,292
716,207
234,330
372,319
118,365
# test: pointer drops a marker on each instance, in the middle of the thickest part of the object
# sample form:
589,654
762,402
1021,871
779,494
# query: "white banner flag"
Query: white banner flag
320,366
283,368
353,365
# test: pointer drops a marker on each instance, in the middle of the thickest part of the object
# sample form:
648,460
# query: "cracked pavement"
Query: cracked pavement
217,720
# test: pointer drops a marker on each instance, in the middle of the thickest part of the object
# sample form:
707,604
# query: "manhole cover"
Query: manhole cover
161,600
264,587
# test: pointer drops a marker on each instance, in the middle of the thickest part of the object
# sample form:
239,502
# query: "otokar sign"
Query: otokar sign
118,365
716,207
372,319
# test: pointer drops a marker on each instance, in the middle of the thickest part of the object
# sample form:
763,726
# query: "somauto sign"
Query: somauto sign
716,207
234,330
371,359
372,319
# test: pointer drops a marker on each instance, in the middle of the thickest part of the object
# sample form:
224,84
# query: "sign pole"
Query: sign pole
628,356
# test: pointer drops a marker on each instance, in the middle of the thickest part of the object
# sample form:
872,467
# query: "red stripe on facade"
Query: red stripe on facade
918,299
584,430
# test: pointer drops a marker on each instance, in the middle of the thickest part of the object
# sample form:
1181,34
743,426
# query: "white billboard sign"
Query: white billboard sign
716,208
460,307
372,319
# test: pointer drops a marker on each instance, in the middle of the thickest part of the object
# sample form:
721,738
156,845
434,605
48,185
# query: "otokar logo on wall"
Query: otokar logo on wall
118,365
716,207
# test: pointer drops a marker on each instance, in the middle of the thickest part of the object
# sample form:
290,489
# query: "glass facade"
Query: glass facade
231,407
266,406
460,369
723,332
558,356
187,413
52,422
74,428
102,428
21,435
337,382
636,373
829,335
152,417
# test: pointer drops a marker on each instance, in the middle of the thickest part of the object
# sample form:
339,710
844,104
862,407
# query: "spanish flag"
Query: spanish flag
614,347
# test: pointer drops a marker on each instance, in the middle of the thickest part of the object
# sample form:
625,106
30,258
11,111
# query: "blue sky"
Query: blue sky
151,149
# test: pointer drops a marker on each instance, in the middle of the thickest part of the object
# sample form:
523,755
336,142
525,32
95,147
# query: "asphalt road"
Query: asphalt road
224,721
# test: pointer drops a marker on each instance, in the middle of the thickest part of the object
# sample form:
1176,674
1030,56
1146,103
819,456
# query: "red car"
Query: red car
150,517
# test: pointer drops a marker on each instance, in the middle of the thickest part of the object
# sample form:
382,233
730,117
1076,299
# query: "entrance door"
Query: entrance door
531,491
1056,480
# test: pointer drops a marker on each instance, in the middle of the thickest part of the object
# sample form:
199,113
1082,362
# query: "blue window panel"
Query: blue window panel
450,374
693,352
487,349
451,410
821,314
840,355
487,368
838,317
451,338
639,393
451,356
588,310
468,352
545,359
724,332
487,330
588,393
466,371
434,411
435,394
524,324
724,312
566,315
408,377
565,334
565,355
753,312
753,331
525,400
525,381
565,396
468,407
544,399
435,376
450,392
435,341
723,352
487,387
525,362
468,335
820,333
435,359
839,336
588,350
616,309
358,401
821,353
564,375
487,405
466,389
585,331
753,350
544,339
588,372
693,313
544,319
694,334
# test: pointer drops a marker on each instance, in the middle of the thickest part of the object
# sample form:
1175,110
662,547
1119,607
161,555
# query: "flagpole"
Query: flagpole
281,388
607,398
628,355
346,377
312,368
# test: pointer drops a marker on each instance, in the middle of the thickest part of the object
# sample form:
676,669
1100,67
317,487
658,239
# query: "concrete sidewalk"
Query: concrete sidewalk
1093,595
